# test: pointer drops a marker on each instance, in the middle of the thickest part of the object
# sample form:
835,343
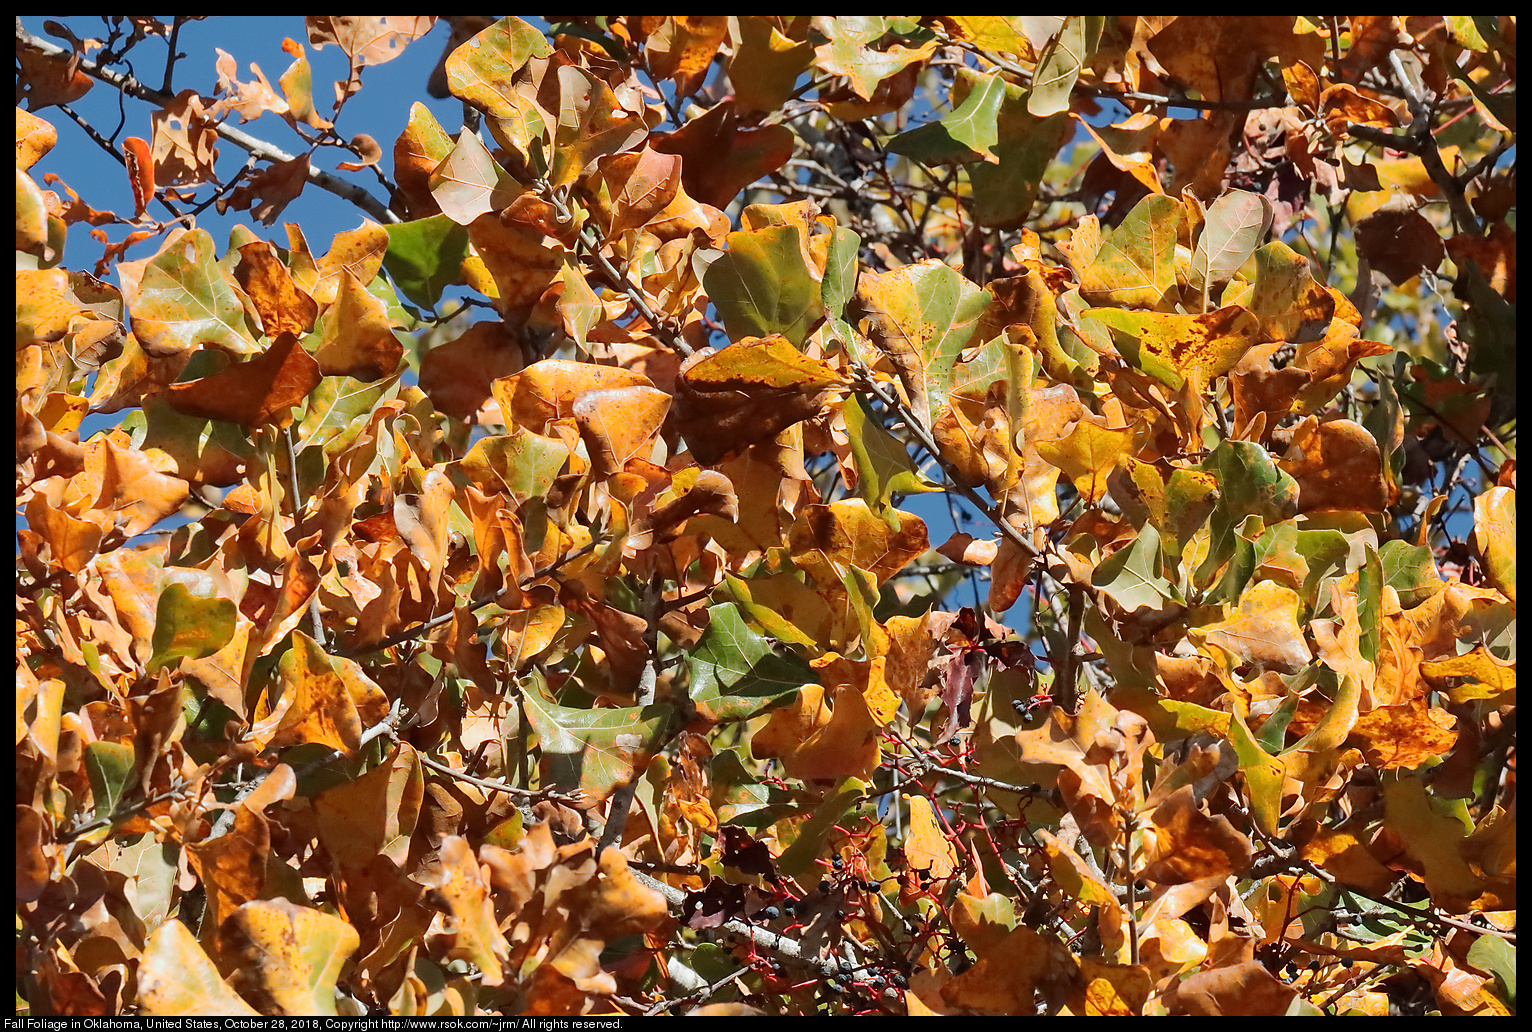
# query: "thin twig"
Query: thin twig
698,995
499,786
617,280
622,799
411,633
170,61
893,403
1423,146
121,813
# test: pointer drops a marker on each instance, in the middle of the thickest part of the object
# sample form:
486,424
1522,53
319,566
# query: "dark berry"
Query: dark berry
771,913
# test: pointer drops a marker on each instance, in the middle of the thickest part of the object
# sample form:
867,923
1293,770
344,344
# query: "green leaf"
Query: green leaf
736,674
1132,575
922,316
1493,954
1250,484
594,750
1004,192
883,464
841,267
483,70
1410,570
762,285
190,621
1231,231
966,133
424,257
109,765
1369,607
1263,775
1057,69
1273,735
1491,328
508,833
810,843
185,301
1328,554
338,409
1136,263
520,464
208,451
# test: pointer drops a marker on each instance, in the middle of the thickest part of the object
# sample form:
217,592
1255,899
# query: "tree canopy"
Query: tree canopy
789,515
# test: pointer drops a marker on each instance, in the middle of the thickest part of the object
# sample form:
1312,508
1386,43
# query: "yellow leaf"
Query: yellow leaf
927,848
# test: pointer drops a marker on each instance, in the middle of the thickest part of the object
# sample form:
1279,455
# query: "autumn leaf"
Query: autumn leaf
921,316
928,848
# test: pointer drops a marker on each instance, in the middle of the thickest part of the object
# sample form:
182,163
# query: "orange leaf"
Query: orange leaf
476,934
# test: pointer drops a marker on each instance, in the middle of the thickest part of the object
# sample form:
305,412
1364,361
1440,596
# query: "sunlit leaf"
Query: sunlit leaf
594,750
736,674
921,316
185,300
425,257
928,848
291,955
188,624
763,286
176,978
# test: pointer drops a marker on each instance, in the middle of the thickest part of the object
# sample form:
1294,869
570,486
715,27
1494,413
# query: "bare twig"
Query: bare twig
1423,146
618,281
499,786
865,381
696,996
122,813
411,633
622,799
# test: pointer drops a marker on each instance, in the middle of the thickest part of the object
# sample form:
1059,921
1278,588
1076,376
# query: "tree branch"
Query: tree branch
763,938
260,148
